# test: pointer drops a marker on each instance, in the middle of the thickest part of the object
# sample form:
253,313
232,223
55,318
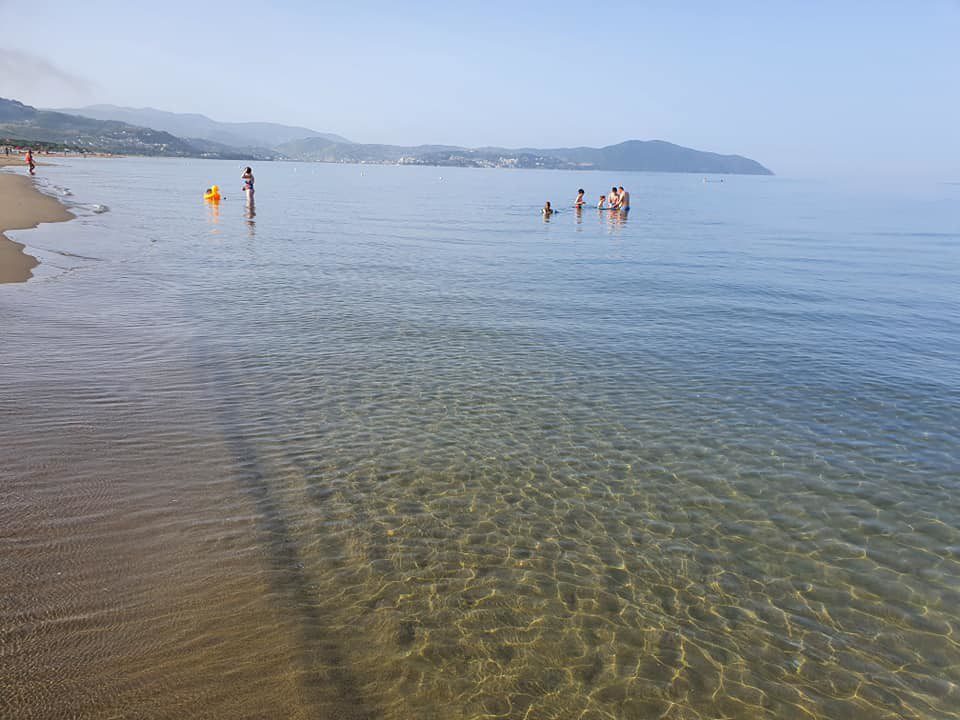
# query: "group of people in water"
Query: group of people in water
212,193
618,199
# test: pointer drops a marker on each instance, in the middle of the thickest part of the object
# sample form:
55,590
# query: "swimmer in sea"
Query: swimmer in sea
547,210
247,178
579,202
602,204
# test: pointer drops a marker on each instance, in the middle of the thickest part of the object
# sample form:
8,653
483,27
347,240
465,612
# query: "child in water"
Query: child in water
247,178
602,204
547,210
579,202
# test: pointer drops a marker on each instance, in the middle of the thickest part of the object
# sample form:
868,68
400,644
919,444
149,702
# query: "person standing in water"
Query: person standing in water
579,202
29,160
602,204
614,198
624,200
247,178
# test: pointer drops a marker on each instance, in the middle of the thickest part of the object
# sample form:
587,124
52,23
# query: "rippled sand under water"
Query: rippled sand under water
343,501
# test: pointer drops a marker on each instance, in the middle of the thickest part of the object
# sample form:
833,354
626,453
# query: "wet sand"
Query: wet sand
22,206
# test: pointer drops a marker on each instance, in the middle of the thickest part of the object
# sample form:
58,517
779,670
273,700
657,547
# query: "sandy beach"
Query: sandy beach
22,206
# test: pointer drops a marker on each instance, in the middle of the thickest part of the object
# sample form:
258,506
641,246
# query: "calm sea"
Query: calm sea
396,447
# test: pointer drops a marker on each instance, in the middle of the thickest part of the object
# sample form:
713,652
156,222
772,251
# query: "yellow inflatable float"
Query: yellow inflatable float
212,194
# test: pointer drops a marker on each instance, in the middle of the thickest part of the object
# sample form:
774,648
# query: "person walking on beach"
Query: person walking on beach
29,160
247,178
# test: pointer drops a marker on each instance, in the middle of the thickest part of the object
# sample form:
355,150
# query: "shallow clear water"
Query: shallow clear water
396,447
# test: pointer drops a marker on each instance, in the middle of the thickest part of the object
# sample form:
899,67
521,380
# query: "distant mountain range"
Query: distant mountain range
146,131
651,155
25,123
238,135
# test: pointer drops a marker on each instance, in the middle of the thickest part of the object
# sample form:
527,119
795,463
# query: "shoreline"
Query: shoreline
23,207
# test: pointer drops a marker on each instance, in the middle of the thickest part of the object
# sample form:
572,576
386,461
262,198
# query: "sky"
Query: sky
811,88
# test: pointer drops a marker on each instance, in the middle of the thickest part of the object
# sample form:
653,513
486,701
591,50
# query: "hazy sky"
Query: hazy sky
805,87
